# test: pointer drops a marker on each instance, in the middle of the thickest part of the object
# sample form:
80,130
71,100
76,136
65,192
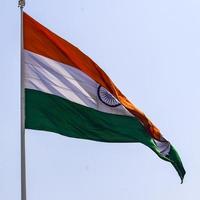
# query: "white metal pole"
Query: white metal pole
21,4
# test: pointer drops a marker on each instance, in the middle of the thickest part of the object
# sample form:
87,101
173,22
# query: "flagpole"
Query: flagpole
21,4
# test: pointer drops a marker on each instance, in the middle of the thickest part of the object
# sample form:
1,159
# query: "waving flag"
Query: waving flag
68,93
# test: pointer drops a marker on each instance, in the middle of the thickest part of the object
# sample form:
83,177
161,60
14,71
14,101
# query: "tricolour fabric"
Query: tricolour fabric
67,93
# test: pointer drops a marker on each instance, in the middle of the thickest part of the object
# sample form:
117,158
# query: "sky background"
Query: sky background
151,50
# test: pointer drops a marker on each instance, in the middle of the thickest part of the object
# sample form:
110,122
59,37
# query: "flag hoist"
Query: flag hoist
68,93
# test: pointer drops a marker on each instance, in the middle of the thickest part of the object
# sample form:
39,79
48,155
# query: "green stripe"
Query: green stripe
55,114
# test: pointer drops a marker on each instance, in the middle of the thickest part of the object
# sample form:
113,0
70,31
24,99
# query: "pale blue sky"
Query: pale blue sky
151,50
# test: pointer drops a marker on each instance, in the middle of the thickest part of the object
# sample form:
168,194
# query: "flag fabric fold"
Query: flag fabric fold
68,93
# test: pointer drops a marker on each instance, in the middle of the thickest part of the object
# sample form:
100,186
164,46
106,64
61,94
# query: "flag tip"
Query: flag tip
182,175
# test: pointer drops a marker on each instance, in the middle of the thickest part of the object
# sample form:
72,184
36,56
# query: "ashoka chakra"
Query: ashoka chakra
106,97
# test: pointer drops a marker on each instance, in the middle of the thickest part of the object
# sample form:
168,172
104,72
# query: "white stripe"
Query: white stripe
49,76
164,147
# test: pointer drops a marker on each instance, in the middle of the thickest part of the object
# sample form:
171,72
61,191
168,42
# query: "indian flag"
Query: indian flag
69,94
